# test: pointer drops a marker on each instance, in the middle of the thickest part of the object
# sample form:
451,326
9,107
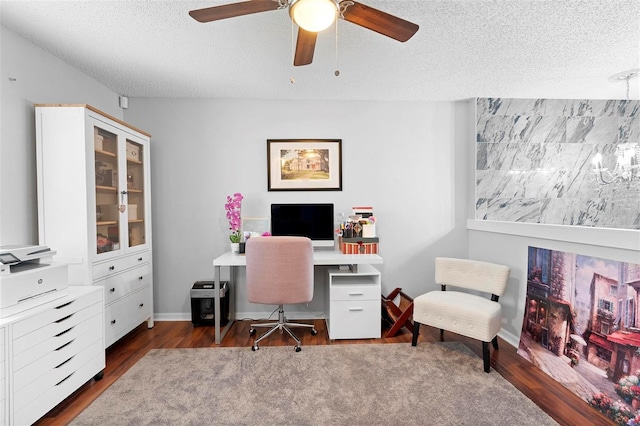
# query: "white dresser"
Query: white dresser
3,378
50,351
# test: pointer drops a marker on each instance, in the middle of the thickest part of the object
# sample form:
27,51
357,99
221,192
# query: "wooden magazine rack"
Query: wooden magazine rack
397,315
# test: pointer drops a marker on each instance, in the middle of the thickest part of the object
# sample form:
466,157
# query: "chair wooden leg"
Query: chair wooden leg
485,356
442,335
416,331
495,342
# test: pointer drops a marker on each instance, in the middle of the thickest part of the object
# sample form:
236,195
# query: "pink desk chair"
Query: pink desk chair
279,272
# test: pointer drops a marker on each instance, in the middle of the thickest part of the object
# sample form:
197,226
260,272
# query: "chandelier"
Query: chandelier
627,155
627,165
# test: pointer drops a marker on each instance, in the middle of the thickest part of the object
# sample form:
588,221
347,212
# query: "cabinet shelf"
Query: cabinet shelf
107,153
107,222
106,188
129,160
136,221
134,190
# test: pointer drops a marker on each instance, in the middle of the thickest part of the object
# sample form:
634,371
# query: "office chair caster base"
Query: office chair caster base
252,332
255,348
314,331
298,348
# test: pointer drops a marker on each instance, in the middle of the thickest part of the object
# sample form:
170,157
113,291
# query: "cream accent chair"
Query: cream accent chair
279,272
464,313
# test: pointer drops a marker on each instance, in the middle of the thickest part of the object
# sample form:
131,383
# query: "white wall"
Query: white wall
399,157
28,75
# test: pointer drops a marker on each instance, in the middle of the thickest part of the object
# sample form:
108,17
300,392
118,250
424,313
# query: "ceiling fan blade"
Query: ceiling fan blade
232,10
377,20
305,45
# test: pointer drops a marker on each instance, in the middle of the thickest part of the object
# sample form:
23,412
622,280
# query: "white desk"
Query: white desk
234,261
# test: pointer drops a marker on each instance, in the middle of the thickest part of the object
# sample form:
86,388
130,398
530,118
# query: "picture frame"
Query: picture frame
304,164
255,225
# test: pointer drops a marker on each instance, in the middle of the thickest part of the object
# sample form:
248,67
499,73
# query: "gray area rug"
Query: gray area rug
361,384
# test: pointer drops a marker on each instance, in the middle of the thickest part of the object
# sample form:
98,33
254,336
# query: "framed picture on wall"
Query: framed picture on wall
304,164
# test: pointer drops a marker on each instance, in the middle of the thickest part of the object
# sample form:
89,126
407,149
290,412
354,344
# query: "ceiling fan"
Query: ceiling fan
313,16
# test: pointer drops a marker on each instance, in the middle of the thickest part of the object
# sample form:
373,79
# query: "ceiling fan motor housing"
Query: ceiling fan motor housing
313,15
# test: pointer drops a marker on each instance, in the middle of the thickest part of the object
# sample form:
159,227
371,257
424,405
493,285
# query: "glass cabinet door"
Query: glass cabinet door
107,198
135,193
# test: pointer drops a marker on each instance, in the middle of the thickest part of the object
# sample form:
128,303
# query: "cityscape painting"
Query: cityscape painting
581,326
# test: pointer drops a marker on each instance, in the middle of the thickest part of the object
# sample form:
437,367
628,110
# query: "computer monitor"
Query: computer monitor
315,221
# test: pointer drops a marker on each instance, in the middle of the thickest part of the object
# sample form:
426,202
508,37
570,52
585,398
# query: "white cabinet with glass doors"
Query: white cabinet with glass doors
94,207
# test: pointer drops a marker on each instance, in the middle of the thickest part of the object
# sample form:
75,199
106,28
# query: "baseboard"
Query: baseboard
298,315
172,317
509,338
291,315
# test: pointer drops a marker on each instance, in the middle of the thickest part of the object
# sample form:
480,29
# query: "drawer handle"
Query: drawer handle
141,305
139,259
60,382
66,344
112,289
112,268
355,293
113,321
141,277
66,331
64,362
355,309
63,305
63,319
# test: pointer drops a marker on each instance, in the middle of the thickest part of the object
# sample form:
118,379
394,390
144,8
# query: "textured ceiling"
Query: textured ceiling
463,49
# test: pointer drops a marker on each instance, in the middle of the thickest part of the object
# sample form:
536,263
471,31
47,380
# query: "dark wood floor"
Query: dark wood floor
565,407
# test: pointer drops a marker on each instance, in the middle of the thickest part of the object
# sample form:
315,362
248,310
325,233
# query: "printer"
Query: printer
29,277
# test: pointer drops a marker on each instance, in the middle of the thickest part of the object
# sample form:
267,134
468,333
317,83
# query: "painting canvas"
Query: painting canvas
582,327
304,165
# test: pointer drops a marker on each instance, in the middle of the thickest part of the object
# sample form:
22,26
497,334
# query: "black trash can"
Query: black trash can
202,303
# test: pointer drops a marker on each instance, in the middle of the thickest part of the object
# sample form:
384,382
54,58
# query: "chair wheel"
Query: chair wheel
314,331
252,332
298,348
255,348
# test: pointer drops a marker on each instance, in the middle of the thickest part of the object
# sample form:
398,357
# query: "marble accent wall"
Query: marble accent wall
533,161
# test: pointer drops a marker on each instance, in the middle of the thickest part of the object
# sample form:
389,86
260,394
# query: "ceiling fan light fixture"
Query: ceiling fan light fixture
313,15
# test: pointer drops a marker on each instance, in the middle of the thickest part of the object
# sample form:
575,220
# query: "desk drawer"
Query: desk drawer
355,319
355,292
115,266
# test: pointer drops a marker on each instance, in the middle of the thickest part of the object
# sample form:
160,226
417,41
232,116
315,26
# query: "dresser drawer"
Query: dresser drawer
120,285
57,317
3,366
53,334
355,319
52,351
355,292
2,351
36,399
125,314
115,266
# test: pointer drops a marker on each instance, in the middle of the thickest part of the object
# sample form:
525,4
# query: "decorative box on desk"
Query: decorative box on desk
358,245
